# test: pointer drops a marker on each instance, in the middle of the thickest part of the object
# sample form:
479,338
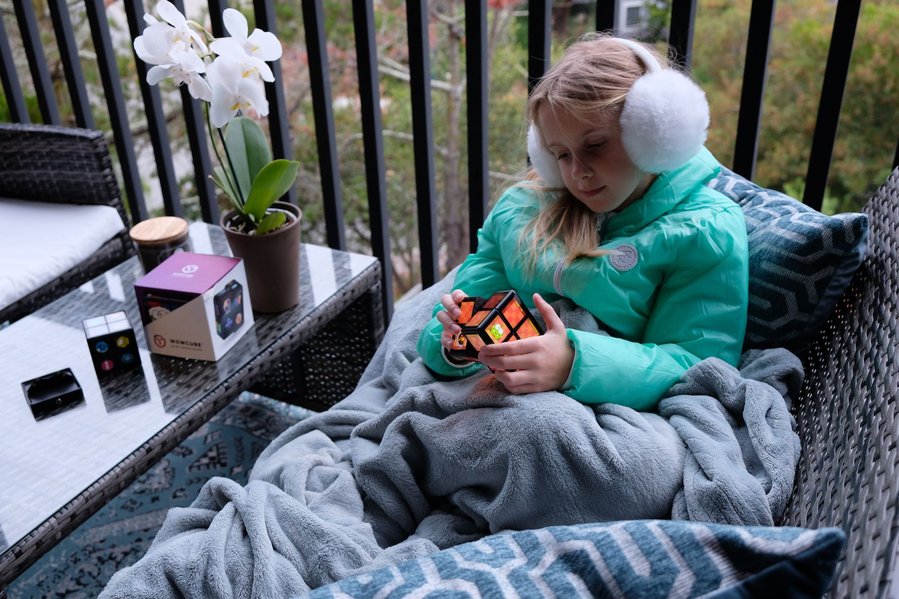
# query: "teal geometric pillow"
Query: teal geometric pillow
800,261
638,558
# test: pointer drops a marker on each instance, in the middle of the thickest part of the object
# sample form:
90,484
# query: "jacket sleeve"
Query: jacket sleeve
481,274
699,312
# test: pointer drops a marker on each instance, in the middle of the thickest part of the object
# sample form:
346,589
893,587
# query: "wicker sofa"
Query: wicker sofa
45,164
847,415
847,476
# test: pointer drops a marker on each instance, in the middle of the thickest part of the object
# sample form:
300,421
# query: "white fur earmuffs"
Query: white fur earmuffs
663,122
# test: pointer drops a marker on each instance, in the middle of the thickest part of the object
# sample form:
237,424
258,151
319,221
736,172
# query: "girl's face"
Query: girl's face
591,157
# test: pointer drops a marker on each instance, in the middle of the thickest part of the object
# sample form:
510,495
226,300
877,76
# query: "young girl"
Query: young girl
619,221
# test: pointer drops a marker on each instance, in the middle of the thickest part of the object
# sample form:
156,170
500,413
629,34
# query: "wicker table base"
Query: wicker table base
59,470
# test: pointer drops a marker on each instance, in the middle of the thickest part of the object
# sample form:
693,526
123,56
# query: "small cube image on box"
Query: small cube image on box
112,344
228,305
499,318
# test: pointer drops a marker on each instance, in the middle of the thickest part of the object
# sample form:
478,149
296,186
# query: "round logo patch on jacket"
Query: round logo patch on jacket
624,258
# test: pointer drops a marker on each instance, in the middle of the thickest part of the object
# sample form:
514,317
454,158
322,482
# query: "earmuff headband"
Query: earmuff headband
663,122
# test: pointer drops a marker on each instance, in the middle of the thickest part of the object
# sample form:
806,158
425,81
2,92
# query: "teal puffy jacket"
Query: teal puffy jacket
675,292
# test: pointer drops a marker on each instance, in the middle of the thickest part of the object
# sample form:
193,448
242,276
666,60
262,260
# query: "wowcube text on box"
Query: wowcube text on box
194,305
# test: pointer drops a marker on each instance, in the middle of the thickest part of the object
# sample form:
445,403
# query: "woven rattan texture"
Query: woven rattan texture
327,368
46,163
847,415
77,158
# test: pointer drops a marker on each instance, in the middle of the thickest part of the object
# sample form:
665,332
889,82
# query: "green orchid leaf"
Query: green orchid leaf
248,151
224,183
272,221
272,182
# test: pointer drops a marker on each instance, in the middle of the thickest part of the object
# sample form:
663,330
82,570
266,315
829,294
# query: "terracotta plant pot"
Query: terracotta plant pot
272,260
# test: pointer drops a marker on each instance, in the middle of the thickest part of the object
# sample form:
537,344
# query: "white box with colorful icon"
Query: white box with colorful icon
194,305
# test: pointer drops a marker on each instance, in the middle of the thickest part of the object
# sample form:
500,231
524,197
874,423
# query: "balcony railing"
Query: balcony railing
363,12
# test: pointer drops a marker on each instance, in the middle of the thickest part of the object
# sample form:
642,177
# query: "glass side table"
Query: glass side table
57,470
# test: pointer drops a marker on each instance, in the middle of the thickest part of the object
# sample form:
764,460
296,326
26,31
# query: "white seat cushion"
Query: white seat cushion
41,241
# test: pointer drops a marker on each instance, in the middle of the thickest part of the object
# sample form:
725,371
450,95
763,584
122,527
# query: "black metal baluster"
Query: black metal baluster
37,63
758,44
194,123
680,38
605,16
71,65
423,137
367,60
156,121
15,99
477,76
115,102
323,111
274,92
216,8
207,192
835,73
539,39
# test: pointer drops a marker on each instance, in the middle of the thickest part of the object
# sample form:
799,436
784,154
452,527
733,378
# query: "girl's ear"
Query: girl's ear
542,159
665,116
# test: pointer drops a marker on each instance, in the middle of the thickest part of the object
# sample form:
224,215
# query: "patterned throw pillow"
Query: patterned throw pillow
800,261
638,558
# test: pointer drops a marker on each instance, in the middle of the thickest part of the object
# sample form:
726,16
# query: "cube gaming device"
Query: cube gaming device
501,317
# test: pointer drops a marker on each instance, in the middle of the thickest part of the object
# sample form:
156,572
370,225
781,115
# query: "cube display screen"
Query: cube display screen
499,318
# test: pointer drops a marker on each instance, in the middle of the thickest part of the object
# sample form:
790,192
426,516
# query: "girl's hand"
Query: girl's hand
534,364
448,316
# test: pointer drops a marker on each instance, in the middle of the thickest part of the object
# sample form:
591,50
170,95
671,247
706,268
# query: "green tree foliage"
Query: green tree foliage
869,121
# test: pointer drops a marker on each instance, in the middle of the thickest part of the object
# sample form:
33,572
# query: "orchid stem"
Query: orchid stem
229,166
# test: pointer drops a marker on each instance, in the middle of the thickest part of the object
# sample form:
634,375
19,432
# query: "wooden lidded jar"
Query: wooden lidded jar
158,238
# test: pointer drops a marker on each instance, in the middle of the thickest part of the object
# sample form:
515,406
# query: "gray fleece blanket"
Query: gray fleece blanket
409,464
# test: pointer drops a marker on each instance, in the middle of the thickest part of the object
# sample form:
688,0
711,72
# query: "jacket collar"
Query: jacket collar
668,190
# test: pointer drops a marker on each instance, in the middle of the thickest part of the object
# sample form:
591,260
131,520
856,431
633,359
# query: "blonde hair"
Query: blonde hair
595,73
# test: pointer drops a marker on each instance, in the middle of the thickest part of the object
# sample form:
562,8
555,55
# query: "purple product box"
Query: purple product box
194,305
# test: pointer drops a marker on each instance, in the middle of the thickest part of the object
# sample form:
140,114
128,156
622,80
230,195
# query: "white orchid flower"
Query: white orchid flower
250,66
233,90
183,33
163,39
259,44
186,68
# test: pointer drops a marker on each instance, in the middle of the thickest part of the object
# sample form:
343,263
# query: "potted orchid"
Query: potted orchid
229,75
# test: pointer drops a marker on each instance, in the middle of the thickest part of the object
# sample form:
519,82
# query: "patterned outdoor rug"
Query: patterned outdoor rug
120,533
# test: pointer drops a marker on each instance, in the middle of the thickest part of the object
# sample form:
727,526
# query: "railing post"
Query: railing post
761,21
680,38
605,15
156,123
274,93
115,101
323,113
15,100
370,97
422,137
539,39
477,75
37,63
71,65
835,73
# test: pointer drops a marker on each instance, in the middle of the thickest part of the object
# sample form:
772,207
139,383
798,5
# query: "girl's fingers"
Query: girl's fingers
550,318
518,381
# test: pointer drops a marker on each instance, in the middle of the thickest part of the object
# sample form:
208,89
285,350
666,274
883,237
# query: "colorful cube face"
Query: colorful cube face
111,341
501,317
228,309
